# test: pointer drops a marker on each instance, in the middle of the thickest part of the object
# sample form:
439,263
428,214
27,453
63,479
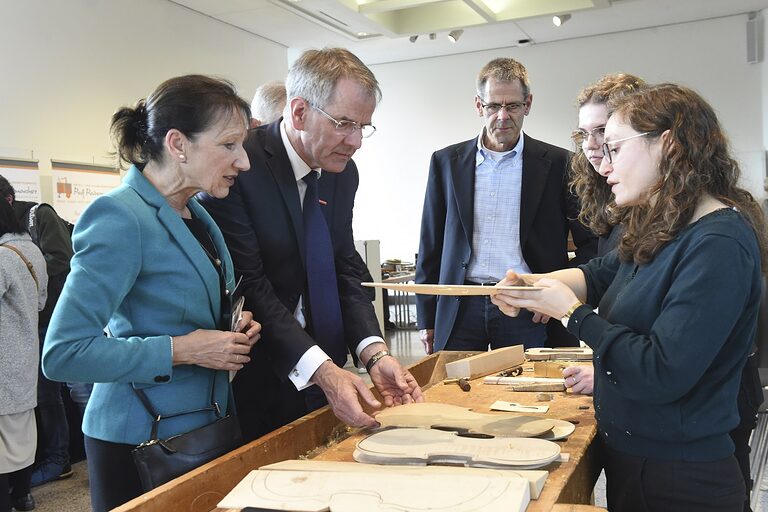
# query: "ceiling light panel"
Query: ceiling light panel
374,6
434,17
507,10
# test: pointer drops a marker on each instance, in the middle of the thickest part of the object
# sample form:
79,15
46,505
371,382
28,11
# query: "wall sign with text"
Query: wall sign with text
74,189
24,177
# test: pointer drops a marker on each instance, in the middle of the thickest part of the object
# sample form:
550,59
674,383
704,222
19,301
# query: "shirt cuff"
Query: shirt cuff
307,366
576,319
370,340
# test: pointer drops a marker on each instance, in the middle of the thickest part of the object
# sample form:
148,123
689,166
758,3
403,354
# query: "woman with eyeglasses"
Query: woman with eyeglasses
598,211
152,266
678,304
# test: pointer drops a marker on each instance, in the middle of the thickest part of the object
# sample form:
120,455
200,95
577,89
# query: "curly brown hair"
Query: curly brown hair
598,211
695,161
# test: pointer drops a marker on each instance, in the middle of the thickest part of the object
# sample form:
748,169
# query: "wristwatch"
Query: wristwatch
375,359
572,310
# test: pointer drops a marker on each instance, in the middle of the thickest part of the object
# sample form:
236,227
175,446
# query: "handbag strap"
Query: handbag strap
156,417
29,265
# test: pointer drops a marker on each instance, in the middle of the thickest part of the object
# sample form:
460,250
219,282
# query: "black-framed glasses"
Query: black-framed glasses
494,108
581,137
347,127
607,149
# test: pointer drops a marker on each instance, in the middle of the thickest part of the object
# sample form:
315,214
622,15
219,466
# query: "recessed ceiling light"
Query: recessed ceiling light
559,19
454,35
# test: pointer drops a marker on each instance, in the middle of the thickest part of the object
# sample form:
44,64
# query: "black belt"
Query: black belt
484,283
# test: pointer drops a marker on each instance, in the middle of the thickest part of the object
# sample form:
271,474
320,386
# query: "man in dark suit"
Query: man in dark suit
269,223
494,202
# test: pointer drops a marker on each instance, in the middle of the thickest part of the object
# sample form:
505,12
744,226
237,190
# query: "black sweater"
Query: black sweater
671,339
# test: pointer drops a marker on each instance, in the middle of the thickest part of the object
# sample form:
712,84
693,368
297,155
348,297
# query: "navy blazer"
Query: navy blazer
140,271
548,211
262,224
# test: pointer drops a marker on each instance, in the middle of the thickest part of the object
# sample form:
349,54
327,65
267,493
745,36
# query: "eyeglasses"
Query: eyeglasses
581,137
495,108
607,145
348,127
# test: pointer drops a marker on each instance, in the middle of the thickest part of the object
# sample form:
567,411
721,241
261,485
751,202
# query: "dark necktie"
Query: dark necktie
324,307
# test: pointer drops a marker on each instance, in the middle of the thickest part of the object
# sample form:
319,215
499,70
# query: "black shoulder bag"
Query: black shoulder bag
161,460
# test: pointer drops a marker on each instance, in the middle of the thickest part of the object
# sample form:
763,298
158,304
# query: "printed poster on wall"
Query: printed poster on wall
75,189
24,178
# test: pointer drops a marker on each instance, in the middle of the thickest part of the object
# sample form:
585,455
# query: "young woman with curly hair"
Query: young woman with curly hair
678,304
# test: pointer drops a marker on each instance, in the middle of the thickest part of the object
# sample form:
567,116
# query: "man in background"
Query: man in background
268,103
288,225
495,202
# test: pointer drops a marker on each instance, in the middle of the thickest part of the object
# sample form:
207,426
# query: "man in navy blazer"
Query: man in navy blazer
331,99
495,202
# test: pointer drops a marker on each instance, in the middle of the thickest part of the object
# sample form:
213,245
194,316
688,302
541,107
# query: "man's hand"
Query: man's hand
428,340
343,390
396,384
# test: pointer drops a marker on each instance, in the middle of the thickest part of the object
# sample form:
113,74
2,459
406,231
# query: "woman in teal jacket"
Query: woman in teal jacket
152,267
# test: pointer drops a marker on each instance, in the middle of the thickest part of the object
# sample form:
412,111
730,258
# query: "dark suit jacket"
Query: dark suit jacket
262,224
548,211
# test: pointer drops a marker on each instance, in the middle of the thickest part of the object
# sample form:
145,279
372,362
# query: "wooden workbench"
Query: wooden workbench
568,488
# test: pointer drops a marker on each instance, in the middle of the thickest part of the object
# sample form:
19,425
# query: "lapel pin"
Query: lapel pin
322,203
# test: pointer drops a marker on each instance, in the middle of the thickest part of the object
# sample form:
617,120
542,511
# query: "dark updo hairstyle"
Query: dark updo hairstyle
696,160
9,223
190,104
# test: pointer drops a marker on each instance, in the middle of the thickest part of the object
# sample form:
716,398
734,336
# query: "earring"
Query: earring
182,157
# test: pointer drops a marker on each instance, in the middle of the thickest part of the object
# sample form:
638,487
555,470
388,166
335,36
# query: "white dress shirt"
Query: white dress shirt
311,360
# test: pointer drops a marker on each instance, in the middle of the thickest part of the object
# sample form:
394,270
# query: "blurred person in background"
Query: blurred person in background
268,103
23,285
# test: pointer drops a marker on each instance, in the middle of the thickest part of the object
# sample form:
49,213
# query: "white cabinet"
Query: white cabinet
369,250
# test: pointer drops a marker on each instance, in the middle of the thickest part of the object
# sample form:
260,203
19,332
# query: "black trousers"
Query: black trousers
13,486
112,476
639,484
264,402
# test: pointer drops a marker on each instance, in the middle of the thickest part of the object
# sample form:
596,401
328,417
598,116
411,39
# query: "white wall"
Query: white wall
763,40
68,65
428,104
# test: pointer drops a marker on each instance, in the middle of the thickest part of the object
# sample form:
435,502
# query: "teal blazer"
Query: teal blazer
139,271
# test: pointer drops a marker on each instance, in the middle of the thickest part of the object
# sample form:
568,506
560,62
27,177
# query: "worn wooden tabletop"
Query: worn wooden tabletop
568,488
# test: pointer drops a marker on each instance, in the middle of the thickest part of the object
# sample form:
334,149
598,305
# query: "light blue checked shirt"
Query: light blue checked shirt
496,232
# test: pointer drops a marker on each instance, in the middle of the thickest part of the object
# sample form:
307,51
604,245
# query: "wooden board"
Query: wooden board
564,353
452,417
550,369
486,362
447,289
535,477
424,446
569,482
345,491
513,381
